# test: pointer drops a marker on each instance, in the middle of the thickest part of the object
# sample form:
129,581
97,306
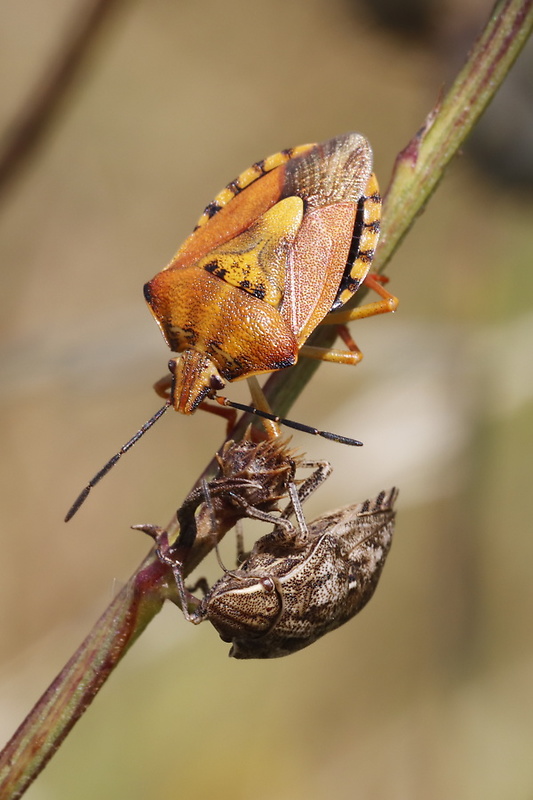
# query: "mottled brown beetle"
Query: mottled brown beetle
290,591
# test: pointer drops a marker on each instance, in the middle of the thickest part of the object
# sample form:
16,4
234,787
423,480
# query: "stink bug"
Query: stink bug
276,253
291,590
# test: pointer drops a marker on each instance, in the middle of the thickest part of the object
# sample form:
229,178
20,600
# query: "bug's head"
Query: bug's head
244,607
194,377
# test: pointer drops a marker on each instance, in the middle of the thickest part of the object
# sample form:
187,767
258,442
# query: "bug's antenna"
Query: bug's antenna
289,423
112,461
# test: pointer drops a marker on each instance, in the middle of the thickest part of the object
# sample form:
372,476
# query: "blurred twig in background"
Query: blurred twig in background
27,132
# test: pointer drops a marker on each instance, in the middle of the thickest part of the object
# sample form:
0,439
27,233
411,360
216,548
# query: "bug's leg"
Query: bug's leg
301,525
163,386
242,555
336,356
186,513
227,413
322,471
186,598
260,402
388,303
353,355
255,513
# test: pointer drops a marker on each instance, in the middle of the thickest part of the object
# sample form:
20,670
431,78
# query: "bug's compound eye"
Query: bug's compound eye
268,584
216,383
172,366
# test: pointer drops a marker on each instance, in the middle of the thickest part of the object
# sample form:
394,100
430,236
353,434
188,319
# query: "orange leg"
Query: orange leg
229,414
388,303
353,355
163,386
259,401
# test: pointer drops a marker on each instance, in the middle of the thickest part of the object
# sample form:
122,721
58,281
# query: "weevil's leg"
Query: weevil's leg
208,500
255,513
186,513
387,303
163,553
219,560
322,471
186,599
186,516
301,524
260,402
241,553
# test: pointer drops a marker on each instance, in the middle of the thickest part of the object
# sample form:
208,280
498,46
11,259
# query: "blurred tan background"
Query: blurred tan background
429,694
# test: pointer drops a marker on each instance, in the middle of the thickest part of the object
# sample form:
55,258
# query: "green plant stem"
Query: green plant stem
420,166
418,170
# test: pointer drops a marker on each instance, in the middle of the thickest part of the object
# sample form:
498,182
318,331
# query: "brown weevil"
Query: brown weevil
292,589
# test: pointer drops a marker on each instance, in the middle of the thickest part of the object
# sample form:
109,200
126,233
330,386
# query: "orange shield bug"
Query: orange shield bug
277,253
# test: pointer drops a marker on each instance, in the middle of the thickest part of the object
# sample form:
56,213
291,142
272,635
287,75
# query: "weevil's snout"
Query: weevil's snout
194,377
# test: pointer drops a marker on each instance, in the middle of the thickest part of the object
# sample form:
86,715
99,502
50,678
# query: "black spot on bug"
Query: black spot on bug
256,290
214,345
181,338
147,293
366,256
234,187
216,383
259,291
375,226
259,166
352,285
285,362
212,209
214,268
